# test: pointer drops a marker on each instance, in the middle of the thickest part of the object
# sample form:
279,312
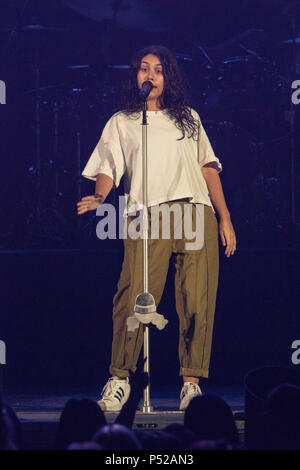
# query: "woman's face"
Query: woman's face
151,69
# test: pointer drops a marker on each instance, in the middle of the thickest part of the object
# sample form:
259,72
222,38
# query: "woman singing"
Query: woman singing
182,169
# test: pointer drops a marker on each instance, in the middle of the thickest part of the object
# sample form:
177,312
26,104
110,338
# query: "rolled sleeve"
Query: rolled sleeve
205,150
108,156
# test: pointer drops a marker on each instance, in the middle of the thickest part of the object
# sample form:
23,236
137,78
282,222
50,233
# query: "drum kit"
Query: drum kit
242,94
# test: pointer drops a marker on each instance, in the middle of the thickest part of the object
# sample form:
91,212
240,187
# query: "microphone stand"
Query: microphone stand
147,405
145,308
145,302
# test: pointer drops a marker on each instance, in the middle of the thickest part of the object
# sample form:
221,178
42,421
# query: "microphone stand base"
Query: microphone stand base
147,409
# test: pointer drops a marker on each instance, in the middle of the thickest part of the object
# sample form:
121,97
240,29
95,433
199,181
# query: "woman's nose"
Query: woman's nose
150,75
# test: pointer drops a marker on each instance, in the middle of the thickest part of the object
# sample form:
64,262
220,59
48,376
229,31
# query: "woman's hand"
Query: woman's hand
227,235
89,203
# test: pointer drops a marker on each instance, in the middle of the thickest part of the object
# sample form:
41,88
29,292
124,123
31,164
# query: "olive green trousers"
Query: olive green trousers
196,281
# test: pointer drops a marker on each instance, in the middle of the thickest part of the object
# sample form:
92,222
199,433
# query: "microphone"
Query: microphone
145,90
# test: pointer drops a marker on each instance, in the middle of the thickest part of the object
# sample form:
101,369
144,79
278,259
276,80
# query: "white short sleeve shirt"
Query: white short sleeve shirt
174,166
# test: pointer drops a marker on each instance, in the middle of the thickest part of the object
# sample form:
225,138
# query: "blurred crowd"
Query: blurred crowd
208,424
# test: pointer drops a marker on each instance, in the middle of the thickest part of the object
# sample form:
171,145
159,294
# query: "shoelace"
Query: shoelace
110,388
191,388
194,387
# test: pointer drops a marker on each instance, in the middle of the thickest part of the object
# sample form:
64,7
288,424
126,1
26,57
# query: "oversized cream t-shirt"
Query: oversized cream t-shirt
174,166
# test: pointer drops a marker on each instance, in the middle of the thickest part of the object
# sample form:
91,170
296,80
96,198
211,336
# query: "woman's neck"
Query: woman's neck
153,106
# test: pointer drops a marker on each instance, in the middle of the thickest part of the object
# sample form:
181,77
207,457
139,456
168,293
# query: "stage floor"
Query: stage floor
39,412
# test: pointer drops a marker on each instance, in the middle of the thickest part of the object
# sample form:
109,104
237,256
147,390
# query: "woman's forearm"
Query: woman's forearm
215,190
104,185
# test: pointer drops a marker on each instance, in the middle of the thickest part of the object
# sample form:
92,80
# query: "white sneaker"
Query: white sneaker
114,395
188,391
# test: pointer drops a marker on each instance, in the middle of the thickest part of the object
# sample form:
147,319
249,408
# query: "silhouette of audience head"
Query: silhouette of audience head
116,436
210,418
79,421
89,445
185,435
282,417
160,440
211,444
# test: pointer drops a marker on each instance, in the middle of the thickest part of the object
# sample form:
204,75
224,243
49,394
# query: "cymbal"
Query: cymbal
32,28
78,67
46,88
119,67
127,14
291,41
184,57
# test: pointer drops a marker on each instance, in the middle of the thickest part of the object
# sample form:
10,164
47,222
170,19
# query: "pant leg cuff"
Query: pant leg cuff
119,372
193,372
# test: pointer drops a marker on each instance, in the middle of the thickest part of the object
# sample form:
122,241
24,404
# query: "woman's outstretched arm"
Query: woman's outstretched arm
103,186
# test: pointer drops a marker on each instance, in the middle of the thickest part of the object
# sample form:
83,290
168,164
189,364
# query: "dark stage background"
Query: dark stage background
63,63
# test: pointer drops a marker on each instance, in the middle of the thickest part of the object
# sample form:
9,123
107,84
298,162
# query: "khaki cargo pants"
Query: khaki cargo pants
196,281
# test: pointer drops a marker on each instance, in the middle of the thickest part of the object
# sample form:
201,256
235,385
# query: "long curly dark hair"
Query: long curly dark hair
174,99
